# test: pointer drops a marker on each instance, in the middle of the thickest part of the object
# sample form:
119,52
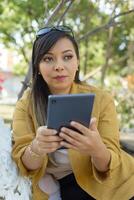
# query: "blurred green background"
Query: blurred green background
104,30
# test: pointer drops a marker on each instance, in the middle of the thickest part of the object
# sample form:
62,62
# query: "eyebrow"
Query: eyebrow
62,51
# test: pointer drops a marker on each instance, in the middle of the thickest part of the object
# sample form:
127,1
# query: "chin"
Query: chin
62,89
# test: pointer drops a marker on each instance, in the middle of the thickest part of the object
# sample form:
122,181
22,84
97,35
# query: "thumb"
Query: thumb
92,124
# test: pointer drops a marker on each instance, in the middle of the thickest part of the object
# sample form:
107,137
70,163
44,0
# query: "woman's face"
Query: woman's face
58,67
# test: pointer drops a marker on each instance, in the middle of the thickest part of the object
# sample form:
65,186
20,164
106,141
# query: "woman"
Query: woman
94,166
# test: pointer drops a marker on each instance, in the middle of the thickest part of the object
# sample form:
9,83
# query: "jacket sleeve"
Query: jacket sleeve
108,128
24,131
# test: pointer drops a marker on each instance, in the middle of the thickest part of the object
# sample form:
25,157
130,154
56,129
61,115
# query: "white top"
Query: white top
58,167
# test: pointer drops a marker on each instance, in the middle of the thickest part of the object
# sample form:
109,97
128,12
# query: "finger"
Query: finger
43,130
66,133
52,149
50,144
69,139
68,145
83,129
49,150
92,124
49,138
44,147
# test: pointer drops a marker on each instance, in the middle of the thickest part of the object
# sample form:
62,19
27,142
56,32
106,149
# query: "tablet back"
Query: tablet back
71,107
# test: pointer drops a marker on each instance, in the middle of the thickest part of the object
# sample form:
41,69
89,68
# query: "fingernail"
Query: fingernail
54,132
72,123
61,134
62,129
62,143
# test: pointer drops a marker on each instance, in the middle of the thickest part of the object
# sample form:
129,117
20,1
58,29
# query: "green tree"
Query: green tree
100,45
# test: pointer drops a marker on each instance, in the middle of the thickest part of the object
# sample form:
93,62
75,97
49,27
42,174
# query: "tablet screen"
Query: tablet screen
62,109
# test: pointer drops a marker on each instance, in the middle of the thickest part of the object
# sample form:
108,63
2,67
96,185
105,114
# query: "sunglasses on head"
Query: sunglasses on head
46,30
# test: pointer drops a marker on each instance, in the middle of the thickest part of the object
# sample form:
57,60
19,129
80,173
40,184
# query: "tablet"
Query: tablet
62,109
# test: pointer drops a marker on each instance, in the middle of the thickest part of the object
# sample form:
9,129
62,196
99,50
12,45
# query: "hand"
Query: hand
46,141
89,142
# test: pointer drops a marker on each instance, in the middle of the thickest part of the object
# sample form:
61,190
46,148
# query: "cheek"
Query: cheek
74,68
45,73
44,70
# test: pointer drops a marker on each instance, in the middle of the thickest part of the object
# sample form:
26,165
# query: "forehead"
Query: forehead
62,44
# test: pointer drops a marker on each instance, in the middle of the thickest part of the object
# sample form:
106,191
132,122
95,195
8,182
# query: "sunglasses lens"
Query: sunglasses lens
46,30
65,29
43,31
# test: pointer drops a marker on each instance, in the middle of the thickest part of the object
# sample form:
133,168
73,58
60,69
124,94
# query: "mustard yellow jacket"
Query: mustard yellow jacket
116,184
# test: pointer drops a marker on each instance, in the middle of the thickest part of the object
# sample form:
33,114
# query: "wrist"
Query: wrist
102,160
34,154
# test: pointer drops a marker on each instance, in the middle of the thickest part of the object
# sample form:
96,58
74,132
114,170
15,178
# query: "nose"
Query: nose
59,66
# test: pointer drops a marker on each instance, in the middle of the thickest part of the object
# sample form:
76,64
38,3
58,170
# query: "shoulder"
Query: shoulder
99,93
26,94
25,99
24,106
102,97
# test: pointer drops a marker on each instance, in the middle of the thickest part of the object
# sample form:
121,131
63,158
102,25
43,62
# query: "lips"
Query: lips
60,78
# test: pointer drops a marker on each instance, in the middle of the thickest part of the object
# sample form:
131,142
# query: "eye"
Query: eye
68,57
47,59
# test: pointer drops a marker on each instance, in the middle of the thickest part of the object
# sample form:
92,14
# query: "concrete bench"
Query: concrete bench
127,142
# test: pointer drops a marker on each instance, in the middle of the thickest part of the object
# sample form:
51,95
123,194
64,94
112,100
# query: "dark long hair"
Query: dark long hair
40,90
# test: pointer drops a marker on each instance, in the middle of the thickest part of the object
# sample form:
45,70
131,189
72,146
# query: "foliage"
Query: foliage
20,69
112,48
126,109
19,22
21,19
124,100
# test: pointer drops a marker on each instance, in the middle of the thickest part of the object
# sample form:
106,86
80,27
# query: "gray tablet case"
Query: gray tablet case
71,107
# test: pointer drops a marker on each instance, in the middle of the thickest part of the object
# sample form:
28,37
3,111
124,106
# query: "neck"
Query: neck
61,91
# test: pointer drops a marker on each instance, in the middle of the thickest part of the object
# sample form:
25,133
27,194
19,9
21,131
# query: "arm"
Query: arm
45,141
100,142
31,158
24,129
89,143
